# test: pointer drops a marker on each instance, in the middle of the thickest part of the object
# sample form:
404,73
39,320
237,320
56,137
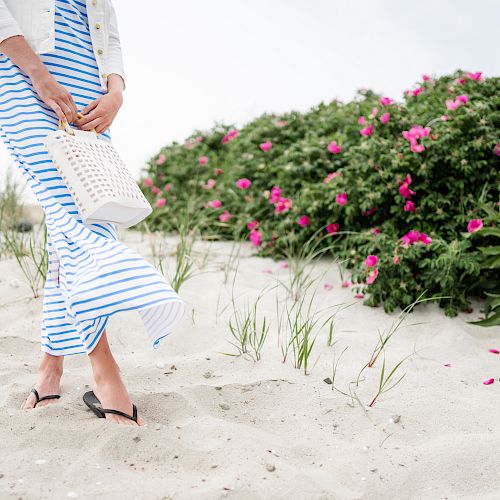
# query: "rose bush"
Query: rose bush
397,180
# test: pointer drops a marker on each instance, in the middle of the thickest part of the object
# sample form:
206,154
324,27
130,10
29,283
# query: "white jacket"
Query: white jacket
34,19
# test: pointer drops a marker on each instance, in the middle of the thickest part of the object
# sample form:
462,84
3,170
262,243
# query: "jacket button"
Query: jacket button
100,52
97,26
94,2
104,75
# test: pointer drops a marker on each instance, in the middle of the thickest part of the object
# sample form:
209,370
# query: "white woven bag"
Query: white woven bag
99,182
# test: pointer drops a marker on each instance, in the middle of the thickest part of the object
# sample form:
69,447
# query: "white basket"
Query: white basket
99,182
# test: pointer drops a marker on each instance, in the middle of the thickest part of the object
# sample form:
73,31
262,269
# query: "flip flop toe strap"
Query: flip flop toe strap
122,414
38,398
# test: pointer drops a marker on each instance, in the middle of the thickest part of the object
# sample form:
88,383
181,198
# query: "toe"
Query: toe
29,404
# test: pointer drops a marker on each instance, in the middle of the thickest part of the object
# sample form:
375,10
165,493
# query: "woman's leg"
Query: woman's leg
108,385
49,380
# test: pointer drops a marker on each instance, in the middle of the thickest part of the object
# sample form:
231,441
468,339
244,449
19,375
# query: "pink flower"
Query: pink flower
417,91
327,286
214,204
474,76
413,237
155,190
303,221
243,183
444,118
225,216
341,199
168,187
385,118
367,131
417,148
161,159
252,225
371,261
203,160
160,202
497,149
425,239
489,381
494,351
404,189
372,277
266,146
396,259
281,123
385,101
459,101
148,182
361,120
198,139
409,206
331,176
256,237
346,284
359,296
334,148
374,112
282,205
414,134
460,81
230,136
332,228
474,225
275,194
426,78
210,184
376,230
218,171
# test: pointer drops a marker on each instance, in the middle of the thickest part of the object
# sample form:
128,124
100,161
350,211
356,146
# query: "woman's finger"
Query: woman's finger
72,105
87,118
90,106
91,125
102,128
66,110
57,110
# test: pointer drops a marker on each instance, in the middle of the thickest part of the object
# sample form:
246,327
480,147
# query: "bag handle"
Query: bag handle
64,125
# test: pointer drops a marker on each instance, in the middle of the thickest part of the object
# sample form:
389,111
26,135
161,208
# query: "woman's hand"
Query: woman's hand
46,86
99,114
56,96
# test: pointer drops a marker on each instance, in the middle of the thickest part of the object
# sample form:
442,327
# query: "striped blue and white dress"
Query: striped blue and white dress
91,275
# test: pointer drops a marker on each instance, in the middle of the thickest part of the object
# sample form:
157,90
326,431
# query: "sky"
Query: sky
192,63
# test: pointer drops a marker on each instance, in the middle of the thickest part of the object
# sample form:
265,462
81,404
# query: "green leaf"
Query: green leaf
491,321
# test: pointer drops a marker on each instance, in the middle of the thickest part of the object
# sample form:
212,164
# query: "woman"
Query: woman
58,59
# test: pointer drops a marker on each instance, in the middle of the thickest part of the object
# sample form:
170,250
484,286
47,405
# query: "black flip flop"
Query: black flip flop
38,398
90,399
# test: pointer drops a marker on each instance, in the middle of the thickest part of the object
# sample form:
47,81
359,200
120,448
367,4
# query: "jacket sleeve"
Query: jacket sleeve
114,58
8,25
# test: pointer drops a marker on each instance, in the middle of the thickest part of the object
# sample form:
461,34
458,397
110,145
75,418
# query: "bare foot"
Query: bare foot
48,382
108,384
113,395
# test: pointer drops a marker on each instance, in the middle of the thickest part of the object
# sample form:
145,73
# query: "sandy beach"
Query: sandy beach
228,427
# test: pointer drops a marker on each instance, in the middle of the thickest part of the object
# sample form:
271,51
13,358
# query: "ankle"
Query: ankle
106,374
51,365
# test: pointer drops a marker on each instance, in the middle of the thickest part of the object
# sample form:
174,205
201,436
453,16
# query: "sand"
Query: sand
229,427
